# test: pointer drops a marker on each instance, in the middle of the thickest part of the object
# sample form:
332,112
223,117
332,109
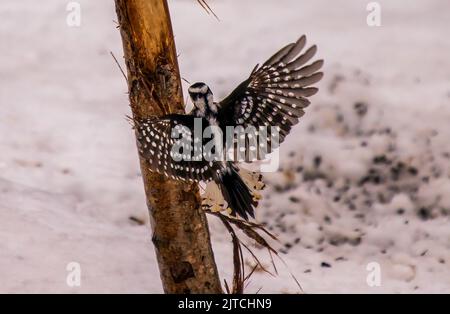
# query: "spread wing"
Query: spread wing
276,93
156,139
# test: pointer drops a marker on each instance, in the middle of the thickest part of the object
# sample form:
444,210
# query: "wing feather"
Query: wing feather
276,93
156,142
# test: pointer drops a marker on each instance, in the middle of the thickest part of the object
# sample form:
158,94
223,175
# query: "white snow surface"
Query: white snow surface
363,178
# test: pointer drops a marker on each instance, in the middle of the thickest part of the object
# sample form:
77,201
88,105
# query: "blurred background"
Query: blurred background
364,179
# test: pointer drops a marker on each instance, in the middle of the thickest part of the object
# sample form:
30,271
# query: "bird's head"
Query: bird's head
201,96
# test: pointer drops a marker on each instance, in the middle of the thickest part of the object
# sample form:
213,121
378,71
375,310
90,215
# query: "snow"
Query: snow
364,177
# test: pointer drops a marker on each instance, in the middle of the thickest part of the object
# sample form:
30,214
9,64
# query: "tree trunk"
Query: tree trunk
180,229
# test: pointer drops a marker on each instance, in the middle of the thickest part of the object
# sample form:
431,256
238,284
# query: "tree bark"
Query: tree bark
180,229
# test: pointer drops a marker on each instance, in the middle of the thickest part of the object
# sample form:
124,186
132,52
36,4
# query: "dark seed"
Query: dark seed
317,161
376,179
294,199
413,171
424,213
382,159
360,108
136,220
356,241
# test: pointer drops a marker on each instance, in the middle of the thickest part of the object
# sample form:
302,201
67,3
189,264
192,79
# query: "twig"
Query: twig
131,121
207,8
151,91
118,64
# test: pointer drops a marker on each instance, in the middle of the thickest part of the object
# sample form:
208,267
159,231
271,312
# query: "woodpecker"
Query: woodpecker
274,95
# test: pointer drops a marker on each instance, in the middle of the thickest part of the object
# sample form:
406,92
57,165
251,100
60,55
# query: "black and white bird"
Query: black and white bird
274,95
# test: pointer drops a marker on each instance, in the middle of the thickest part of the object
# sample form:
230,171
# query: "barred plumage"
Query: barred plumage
155,144
274,96
275,93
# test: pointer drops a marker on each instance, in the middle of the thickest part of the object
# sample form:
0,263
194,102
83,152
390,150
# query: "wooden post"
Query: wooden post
180,229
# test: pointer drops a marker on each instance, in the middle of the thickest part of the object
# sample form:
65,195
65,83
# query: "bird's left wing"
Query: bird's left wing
276,93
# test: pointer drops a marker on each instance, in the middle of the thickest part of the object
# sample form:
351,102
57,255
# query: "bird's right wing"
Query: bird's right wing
156,142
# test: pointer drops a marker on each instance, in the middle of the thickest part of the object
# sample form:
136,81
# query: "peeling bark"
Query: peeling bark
180,229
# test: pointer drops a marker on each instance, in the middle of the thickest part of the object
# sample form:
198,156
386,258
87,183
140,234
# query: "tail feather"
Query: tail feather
237,194
236,189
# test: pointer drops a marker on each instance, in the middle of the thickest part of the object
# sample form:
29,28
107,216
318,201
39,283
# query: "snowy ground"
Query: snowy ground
363,178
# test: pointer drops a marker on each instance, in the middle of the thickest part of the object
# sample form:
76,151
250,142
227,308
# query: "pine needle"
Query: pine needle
252,231
207,8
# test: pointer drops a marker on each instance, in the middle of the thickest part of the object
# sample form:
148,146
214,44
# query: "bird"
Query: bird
273,96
